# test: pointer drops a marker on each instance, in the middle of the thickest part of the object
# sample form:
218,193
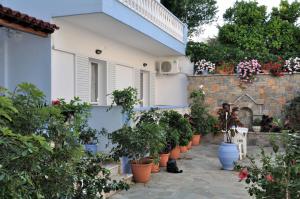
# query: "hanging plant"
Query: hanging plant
127,99
292,65
247,70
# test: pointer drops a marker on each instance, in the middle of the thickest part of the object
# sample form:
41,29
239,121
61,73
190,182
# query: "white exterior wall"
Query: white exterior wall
77,40
71,40
25,58
172,89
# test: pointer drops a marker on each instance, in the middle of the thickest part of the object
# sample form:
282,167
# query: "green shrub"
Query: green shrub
277,174
201,120
137,142
158,141
40,146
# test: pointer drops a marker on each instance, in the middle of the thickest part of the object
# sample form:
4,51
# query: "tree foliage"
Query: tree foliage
194,13
249,31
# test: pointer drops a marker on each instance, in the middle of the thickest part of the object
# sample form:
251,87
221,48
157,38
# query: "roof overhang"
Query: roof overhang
22,22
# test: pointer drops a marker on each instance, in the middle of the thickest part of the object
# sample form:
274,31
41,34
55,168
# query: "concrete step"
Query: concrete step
115,169
126,178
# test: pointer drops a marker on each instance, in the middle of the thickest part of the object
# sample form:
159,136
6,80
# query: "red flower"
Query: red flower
269,178
56,102
243,174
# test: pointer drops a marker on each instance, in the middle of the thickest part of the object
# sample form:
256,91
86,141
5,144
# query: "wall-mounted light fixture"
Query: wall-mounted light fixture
145,64
98,52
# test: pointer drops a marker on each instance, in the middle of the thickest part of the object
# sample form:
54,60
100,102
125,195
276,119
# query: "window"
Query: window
98,82
144,88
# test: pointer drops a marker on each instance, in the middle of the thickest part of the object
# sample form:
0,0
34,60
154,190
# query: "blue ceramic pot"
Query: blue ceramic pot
228,155
125,165
91,148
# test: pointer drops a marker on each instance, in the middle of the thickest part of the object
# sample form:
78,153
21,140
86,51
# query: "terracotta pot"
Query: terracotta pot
164,159
155,167
222,72
183,149
141,171
175,153
196,140
189,146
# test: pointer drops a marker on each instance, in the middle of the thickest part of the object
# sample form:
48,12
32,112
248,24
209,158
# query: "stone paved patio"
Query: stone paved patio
202,178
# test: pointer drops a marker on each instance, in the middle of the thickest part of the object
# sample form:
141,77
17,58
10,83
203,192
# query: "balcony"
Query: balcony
156,13
143,24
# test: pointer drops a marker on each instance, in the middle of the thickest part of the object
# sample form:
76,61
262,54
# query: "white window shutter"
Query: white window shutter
137,81
152,88
111,81
82,78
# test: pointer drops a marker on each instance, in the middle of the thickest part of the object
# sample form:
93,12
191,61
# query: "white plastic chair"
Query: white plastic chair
240,139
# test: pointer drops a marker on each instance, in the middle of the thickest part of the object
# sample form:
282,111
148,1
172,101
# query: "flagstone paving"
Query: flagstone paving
202,178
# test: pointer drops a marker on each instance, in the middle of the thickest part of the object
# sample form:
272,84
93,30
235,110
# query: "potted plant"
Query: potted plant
204,67
133,143
89,138
225,68
199,114
189,119
137,143
247,70
292,65
169,123
186,134
157,141
126,99
228,151
164,155
256,125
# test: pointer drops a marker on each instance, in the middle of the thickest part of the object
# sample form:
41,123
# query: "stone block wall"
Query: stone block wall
266,95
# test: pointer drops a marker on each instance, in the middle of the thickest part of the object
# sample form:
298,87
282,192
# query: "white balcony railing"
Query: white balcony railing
156,13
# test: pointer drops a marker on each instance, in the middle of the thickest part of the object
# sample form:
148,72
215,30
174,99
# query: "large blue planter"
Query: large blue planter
228,155
91,148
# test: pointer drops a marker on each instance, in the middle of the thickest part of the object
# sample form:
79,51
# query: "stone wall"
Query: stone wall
266,95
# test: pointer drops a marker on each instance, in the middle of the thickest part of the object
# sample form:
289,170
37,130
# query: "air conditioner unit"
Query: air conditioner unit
167,67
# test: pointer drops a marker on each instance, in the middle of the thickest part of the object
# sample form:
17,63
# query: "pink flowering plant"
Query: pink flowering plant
203,66
292,65
277,174
248,69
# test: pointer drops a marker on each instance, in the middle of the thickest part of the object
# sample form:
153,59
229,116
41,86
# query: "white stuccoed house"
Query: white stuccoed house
100,46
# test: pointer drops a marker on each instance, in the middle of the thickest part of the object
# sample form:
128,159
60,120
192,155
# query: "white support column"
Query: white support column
3,58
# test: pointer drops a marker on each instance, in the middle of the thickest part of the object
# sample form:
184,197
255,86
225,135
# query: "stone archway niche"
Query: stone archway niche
246,117
249,109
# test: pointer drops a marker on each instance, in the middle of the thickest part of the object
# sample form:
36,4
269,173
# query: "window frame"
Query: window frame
99,64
